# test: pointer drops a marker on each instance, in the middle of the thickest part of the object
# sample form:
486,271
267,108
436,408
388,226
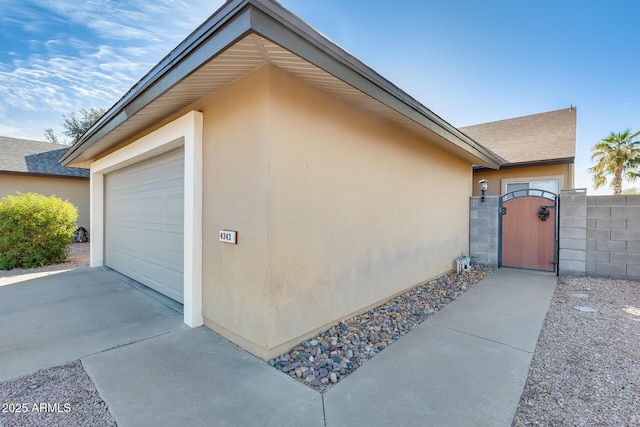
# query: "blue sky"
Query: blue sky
470,62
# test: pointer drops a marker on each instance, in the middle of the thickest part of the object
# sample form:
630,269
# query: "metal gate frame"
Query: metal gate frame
531,192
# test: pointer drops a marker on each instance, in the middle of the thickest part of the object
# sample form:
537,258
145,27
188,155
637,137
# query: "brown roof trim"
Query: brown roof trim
44,175
550,162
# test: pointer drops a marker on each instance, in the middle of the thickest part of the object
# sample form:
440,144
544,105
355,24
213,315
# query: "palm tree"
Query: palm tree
617,155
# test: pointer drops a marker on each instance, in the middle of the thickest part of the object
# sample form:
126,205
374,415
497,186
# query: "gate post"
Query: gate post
483,230
572,258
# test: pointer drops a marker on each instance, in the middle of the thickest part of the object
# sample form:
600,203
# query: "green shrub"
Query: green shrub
35,230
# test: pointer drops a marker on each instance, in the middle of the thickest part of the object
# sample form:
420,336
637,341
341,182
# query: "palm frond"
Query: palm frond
615,151
599,181
632,176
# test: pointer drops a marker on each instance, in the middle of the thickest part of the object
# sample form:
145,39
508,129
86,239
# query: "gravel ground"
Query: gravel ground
586,366
78,256
335,353
62,396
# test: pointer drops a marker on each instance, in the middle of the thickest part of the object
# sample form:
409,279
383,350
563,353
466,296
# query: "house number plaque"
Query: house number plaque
228,236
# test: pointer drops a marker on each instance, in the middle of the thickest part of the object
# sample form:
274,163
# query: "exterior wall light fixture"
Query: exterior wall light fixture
484,184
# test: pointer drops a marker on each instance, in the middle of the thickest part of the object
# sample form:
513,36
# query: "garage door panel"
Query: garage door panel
144,223
175,212
148,273
151,204
173,240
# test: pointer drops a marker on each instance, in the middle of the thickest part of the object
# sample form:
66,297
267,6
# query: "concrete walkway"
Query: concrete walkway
465,366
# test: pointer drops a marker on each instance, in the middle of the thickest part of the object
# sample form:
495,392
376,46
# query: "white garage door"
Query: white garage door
144,223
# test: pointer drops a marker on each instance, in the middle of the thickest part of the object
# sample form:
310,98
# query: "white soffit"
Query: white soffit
236,61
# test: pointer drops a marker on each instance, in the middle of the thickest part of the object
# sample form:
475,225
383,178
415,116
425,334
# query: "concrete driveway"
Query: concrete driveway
51,320
147,365
466,365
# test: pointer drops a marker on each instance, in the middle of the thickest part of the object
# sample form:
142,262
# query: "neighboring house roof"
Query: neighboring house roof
24,156
545,138
240,37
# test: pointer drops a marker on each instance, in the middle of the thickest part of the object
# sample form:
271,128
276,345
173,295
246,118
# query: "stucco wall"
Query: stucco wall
235,184
76,191
495,177
335,210
358,210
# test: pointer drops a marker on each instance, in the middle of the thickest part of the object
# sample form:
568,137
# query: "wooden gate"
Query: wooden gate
528,230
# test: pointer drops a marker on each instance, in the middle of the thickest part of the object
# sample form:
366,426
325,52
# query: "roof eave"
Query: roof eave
547,162
289,31
43,175
155,83
241,17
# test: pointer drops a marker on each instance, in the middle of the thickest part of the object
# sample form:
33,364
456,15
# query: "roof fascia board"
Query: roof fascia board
563,161
96,132
236,30
232,26
43,175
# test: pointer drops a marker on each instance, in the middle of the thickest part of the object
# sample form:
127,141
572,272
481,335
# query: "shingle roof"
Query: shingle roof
538,138
35,157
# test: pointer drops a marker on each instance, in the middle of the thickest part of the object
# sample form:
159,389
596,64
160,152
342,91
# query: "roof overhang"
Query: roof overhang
550,162
43,175
240,37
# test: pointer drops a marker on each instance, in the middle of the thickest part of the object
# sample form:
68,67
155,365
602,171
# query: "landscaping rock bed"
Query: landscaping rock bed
335,353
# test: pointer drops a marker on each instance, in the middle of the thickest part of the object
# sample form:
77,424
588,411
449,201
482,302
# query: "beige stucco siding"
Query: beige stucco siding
76,191
565,172
335,210
359,210
235,184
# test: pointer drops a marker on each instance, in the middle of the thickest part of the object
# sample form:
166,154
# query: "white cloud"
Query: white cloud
14,131
65,83
114,30
102,49
136,21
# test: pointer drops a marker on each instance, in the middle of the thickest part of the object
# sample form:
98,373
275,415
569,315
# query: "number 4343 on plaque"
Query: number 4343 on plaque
229,236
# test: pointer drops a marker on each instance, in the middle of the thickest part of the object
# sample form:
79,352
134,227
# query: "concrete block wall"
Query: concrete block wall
598,235
613,236
572,234
483,229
